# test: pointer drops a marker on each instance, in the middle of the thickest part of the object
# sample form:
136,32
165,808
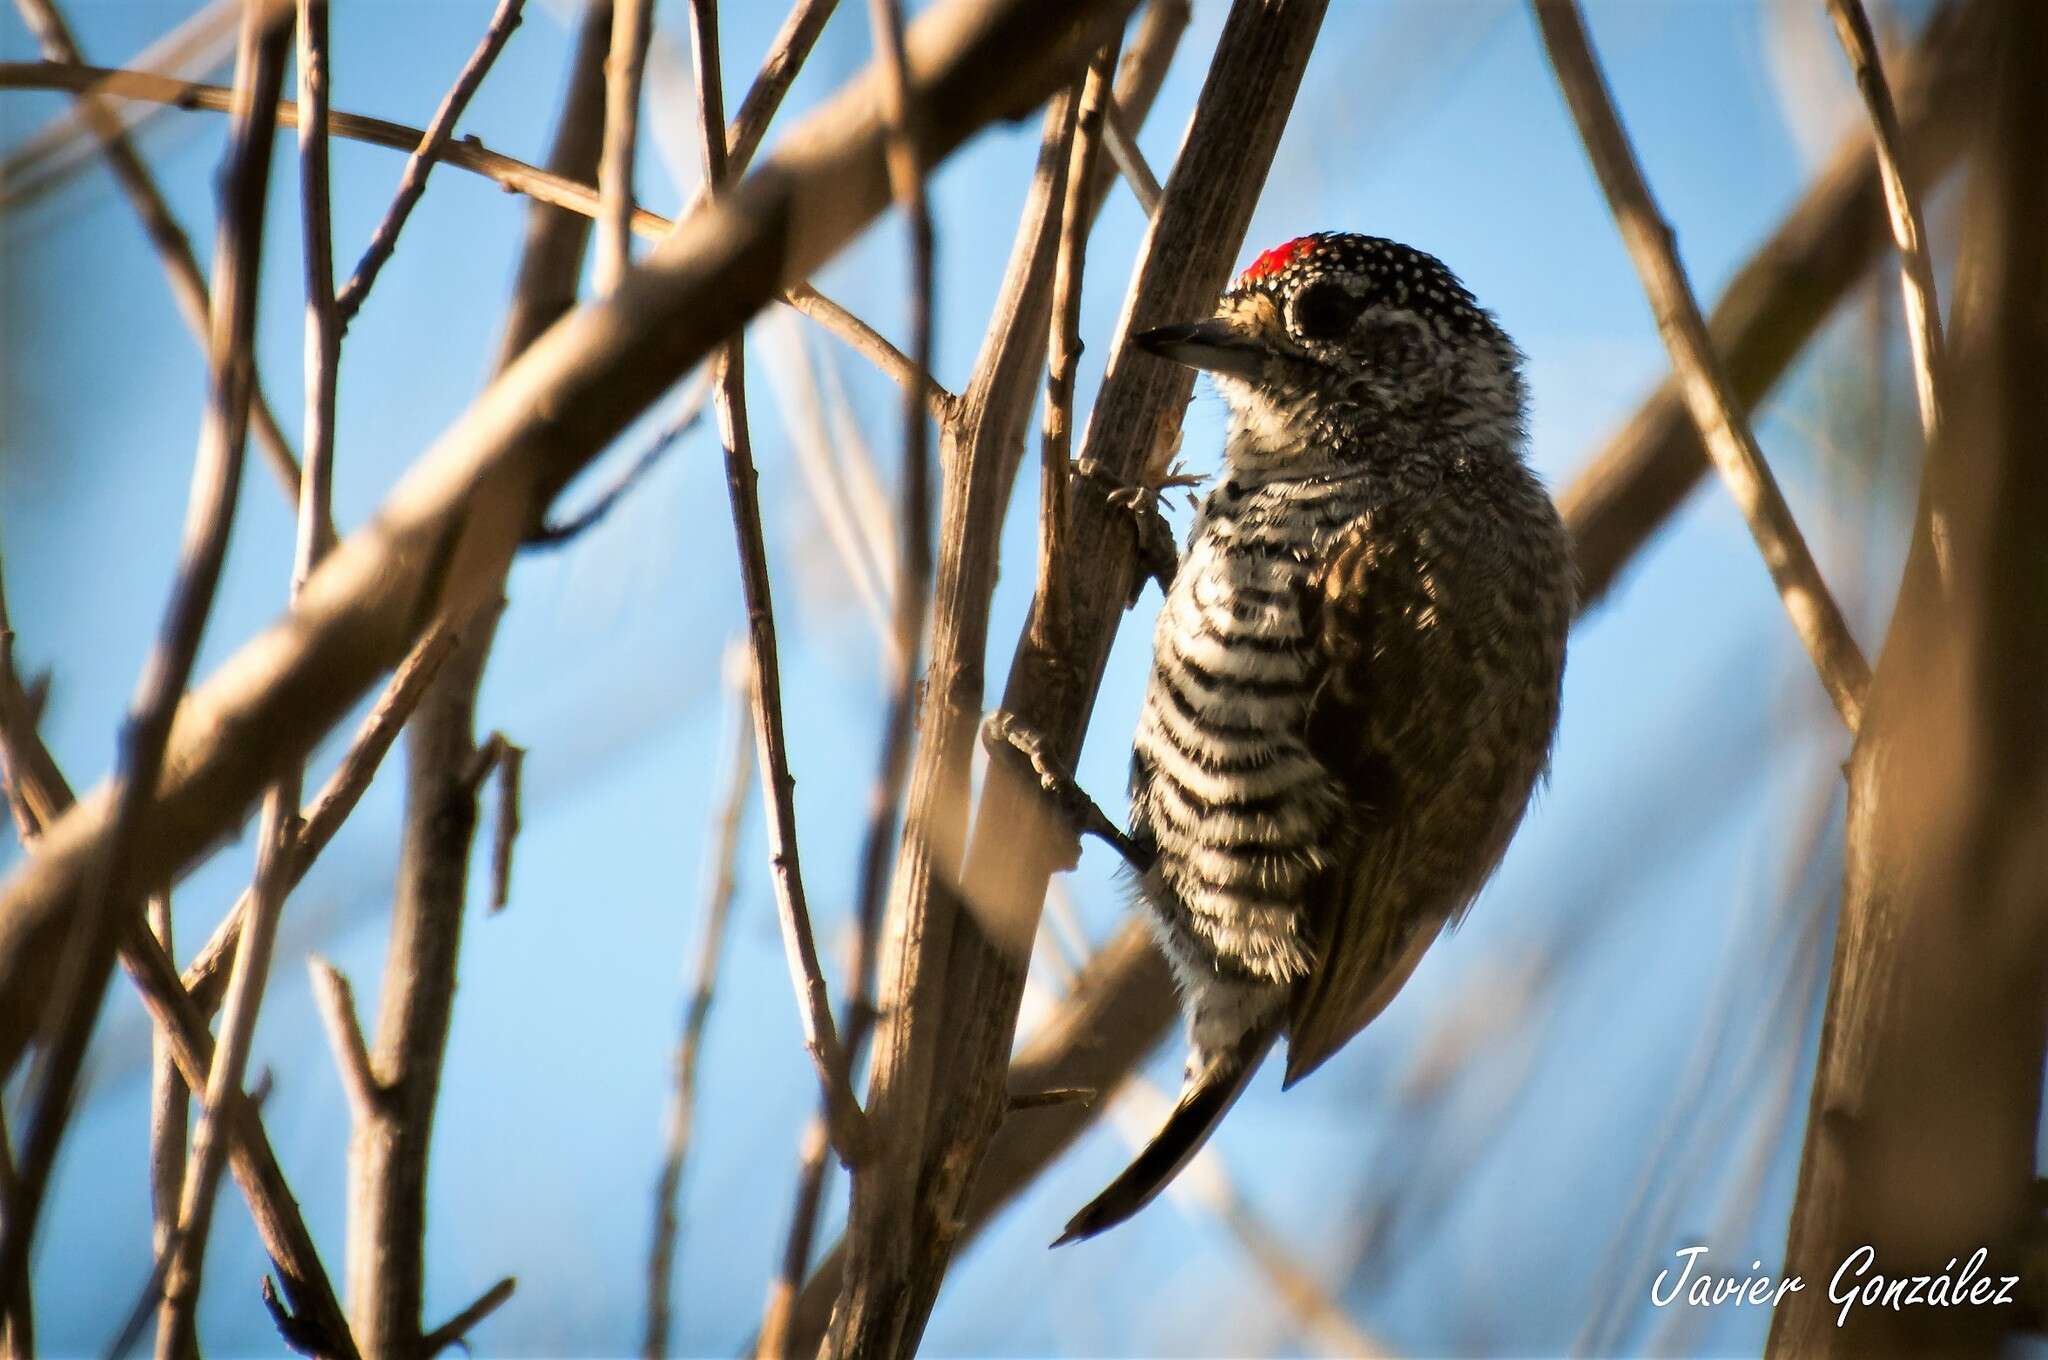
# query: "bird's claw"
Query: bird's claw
1082,814
1158,554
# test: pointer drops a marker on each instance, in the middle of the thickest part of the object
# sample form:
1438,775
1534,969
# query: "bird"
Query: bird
1356,672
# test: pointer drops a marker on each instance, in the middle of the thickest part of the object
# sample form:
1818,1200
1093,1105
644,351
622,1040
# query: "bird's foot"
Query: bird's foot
1084,817
1157,552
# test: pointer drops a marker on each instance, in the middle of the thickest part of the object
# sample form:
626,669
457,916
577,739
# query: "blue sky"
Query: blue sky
1519,1200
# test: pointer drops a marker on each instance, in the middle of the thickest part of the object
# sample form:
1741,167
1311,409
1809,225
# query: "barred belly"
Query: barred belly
1242,814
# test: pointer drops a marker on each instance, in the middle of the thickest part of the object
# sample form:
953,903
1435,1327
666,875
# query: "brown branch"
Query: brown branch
821,1038
323,323
953,978
914,378
166,237
17,1309
1723,424
455,1331
1063,347
1926,1102
170,1108
720,889
689,415
206,978
632,24
785,58
384,240
116,884
1130,162
511,761
337,1004
1902,208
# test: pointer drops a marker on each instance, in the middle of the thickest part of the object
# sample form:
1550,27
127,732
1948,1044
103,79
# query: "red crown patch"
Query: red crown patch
1278,258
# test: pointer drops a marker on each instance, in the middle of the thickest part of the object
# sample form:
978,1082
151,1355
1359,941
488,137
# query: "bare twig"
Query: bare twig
632,23
914,378
413,184
455,1330
206,978
323,324
337,1003
116,883
691,413
720,887
821,1038
1723,425
775,1341
786,55
1902,206
170,1106
1130,162
510,764
173,247
1056,447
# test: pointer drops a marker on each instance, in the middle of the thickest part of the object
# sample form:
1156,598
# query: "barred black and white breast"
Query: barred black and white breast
1356,673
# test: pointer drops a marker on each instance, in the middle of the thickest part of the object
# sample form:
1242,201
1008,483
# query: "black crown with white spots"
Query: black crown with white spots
1395,274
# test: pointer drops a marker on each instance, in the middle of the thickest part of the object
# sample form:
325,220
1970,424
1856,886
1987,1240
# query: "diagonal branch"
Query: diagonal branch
914,378
1723,425
115,883
173,247
384,240
1902,208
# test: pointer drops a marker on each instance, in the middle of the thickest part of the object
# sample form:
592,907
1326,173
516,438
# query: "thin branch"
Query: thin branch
323,323
1723,425
688,416
775,1341
915,379
170,1110
1063,349
166,237
511,762
786,55
117,884
1130,162
337,1004
206,978
432,142
1902,207
632,23
821,1038
455,1331
720,889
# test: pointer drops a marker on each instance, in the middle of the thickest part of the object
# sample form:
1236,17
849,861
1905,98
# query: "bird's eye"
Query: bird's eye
1322,311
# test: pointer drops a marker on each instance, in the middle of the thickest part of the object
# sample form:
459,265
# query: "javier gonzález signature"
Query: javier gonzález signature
1856,1283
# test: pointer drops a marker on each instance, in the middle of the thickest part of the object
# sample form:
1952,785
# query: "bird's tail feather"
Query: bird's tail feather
1207,1098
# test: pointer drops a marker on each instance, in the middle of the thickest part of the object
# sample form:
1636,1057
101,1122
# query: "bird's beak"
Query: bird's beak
1214,346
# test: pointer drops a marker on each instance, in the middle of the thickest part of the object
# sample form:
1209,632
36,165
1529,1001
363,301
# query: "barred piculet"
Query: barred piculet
1356,672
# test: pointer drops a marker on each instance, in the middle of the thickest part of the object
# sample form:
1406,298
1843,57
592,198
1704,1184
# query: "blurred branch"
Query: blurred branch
1926,1104
455,1331
206,977
632,23
115,883
914,378
1063,349
1902,207
337,1004
1721,419
689,415
720,888
1777,301
390,1151
821,1038
1130,162
786,56
173,247
413,184
952,978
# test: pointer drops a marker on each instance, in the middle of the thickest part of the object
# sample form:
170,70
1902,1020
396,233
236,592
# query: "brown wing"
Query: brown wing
1366,945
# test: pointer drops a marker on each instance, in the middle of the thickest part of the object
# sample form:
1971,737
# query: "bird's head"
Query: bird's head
1353,347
